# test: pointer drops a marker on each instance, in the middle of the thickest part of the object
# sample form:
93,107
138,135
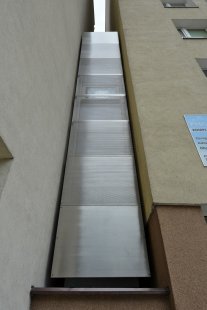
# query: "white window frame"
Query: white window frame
186,4
186,34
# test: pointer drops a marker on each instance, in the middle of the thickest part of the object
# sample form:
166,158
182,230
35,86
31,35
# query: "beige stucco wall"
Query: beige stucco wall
166,83
39,46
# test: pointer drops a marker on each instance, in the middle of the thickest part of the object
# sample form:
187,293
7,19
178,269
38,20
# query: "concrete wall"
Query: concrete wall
166,83
178,246
39,46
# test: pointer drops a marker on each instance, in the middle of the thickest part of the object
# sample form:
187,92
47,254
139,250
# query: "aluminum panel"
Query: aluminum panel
98,138
100,38
90,66
100,230
100,109
100,241
98,181
100,51
100,86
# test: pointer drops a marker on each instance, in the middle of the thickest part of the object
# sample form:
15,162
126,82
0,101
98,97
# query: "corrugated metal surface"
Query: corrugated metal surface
100,138
100,230
96,86
100,109
89,66
100,181
103,242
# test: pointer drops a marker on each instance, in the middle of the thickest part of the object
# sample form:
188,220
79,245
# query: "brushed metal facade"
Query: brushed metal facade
100,51
100,139
99,181
100,241
96,86
97,66
100,38
100,109
100,230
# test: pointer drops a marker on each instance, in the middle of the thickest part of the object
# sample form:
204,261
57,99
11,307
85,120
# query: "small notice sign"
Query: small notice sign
197,125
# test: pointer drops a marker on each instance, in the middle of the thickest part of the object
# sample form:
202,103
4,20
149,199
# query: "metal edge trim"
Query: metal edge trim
111,291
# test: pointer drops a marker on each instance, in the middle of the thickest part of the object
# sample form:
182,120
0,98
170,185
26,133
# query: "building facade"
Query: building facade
165,82
40,43
164,51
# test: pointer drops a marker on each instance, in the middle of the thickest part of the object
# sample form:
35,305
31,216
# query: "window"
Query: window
204,211
191,28
193,33
179,4
203,64
205,72
91,86
5,163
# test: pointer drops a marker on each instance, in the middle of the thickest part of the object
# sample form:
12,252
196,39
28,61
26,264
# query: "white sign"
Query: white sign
197,125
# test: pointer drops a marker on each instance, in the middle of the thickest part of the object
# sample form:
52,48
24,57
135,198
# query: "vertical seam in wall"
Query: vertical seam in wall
165,257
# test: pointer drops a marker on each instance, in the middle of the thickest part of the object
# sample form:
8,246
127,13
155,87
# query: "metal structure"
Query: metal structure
100,231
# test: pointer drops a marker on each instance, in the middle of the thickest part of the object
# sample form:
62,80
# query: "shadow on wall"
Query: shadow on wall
5,163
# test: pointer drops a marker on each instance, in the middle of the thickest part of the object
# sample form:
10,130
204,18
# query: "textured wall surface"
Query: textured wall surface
183,235
177,236
39,46
164,82
167,83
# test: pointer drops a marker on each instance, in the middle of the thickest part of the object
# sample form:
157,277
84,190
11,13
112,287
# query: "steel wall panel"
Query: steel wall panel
100,181
100,51
100,38
100,241
95,86
100,109
97,66
100,139
100,230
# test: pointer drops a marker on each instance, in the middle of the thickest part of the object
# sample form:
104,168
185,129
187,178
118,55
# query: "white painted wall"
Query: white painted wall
39,45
